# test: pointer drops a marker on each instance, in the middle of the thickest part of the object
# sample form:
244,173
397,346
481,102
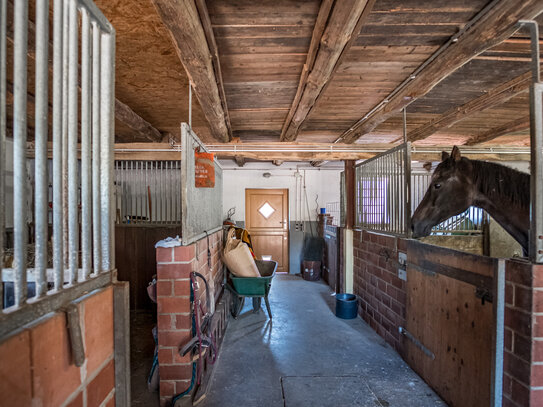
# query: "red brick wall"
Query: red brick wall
382,295
36,365
523,339
174,266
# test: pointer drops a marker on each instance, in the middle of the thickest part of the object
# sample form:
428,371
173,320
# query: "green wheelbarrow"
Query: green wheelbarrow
255,287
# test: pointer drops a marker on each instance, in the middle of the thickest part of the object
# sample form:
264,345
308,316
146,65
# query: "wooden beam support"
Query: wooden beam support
240,161
350,192
182,19
127,116
496,25
317,163
337,26
213,49
494,97
164,151
512,127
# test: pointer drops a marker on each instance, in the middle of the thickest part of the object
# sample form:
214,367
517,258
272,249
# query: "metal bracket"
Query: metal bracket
484,295
76,337
416,342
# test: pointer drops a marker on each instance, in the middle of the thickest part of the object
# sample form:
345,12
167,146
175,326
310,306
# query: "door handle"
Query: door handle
282,222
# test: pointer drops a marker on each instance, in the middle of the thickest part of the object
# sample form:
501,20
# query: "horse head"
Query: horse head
450,193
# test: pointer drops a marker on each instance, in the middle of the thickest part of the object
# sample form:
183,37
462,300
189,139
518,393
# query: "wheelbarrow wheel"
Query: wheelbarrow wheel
237,305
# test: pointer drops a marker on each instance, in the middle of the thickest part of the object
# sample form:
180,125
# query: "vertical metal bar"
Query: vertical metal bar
499,310
3,25
73,181
96,160
86,214
19,148
404,125
190,104
407,190
41,132
65,37
536,148
58,92
170,182
161,191
107,130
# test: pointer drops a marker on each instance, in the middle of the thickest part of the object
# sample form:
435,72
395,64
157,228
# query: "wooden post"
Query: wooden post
349,193
348,254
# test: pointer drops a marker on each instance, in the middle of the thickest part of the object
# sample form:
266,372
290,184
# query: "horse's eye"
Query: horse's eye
437,186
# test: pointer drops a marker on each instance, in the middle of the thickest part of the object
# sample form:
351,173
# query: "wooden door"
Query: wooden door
266,219
446,317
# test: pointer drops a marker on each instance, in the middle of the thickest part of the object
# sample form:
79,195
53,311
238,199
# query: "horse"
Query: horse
458,183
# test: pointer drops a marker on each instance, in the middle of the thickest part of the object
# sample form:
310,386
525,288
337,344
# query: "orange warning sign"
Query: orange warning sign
204,170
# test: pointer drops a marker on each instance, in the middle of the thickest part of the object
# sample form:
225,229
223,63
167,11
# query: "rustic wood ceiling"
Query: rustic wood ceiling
263,47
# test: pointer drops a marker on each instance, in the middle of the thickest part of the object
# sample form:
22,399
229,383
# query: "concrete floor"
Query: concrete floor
308,357
305,357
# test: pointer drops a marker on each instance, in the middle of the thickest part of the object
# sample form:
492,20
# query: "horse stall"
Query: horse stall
462,321
148,209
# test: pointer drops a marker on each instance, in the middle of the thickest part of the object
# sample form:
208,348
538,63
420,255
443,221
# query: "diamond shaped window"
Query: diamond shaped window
266,210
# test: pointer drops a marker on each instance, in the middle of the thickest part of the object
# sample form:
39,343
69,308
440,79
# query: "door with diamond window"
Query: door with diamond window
266,219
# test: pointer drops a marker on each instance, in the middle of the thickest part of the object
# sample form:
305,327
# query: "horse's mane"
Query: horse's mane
497,181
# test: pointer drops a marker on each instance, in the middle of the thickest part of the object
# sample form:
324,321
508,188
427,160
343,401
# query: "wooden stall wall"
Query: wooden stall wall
135,258
331,257
445,315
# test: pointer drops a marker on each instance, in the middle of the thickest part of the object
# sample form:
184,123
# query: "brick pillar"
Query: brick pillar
174,266
174,320
523,339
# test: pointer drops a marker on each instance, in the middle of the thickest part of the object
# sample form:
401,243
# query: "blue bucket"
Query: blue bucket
346,306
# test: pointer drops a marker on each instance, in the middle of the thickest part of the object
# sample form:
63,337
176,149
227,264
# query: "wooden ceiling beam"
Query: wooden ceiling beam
182,20
141,126
164,151
123,112
511,127
316,163
494,97
496,25
337,26
240,161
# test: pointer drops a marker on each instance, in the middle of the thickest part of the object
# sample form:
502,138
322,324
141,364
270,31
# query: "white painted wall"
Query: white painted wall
324,183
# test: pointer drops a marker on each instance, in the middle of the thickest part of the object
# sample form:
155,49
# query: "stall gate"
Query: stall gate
450,322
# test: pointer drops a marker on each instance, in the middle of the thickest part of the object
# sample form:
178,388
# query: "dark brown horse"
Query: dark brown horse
458,183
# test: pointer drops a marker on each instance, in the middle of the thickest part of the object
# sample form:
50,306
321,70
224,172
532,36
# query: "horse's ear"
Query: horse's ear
456,153
444,155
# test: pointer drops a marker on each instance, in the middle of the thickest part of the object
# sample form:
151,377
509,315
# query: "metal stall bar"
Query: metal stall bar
19,149
498,305
3,23
96,195
65,37
58,214
407,188
536,148
86,171
107,90
73,180
41,132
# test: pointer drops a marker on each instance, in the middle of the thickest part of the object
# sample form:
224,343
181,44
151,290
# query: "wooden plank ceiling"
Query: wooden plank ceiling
263,46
